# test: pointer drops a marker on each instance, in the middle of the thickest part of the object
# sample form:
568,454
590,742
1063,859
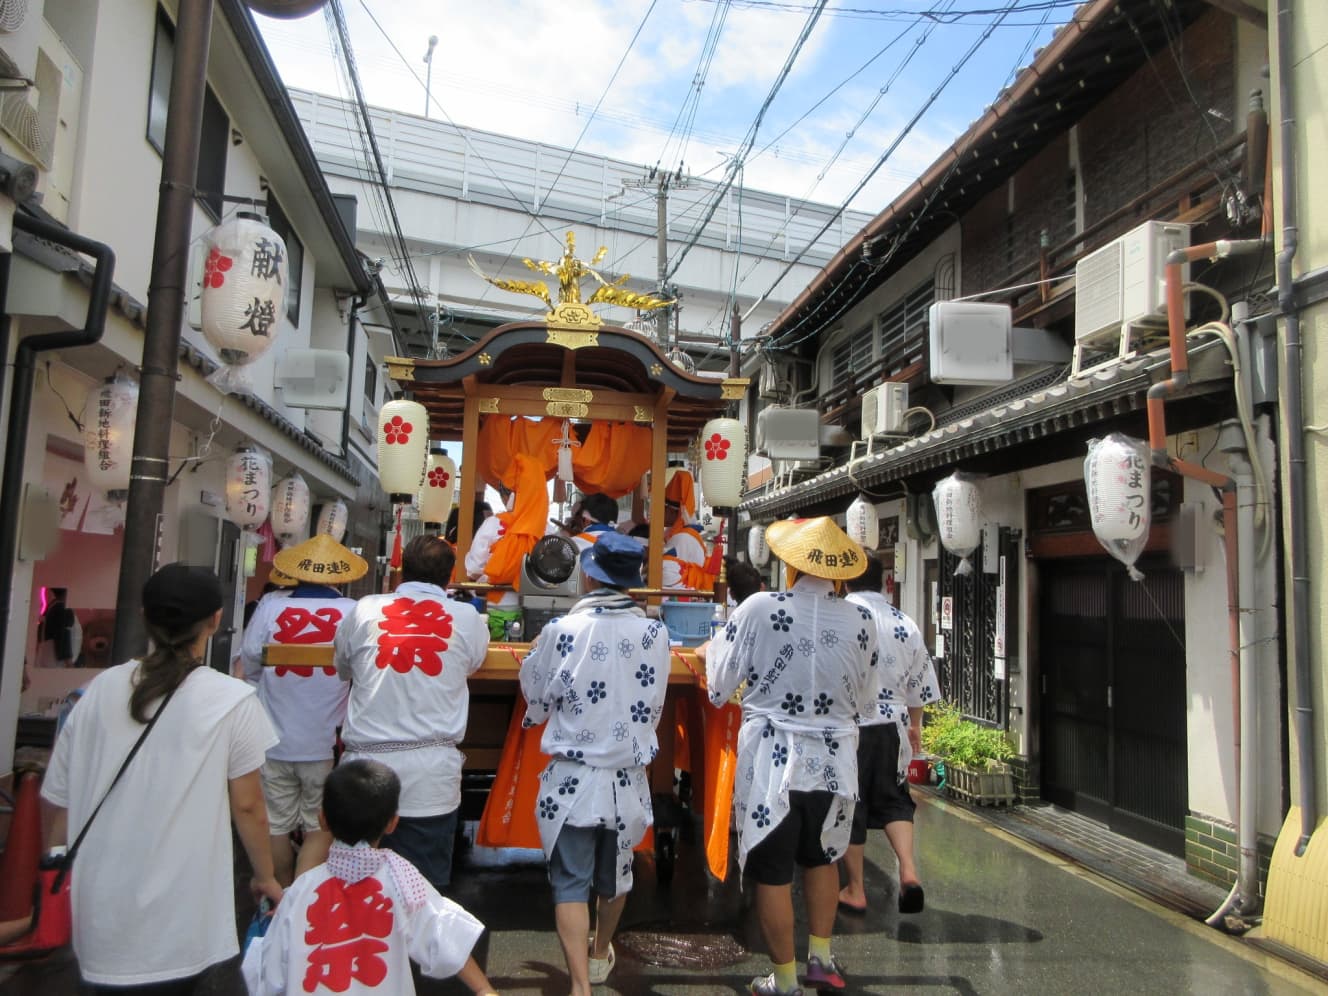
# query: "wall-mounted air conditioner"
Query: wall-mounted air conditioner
1125,281
883,409
313,378
789,433
20,30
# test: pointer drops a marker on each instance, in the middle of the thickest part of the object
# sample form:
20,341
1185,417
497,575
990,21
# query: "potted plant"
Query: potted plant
974,755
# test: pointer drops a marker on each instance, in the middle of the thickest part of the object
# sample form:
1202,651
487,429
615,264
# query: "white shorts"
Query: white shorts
294,793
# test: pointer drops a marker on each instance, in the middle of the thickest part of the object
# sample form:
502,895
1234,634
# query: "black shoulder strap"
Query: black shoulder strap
69,855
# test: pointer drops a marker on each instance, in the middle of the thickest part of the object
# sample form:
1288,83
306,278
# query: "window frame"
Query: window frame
280,224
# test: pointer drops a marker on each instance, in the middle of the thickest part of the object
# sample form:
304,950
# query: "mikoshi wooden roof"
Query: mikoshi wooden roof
537,368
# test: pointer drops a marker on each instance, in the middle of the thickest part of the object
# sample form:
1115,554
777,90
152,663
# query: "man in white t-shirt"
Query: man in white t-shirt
407,656
305,703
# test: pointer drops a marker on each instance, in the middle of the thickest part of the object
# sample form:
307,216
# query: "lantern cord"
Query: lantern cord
206,448
50,382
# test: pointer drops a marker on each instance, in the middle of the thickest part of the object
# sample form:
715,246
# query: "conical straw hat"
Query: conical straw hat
322,560
276,577
817,547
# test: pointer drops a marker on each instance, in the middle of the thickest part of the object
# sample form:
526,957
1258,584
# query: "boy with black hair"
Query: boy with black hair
354,923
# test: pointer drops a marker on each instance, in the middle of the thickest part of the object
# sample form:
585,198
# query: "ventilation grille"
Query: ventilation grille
12,14
20,119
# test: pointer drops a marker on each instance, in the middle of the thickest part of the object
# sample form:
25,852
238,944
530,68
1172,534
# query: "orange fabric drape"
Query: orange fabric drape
721,764
693,576
508,819
612,459
523,525
682,489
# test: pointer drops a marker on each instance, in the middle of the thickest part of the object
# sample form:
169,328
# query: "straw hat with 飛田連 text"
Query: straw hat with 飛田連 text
817,547
321,560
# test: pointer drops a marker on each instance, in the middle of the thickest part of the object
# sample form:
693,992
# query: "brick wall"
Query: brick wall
1211,852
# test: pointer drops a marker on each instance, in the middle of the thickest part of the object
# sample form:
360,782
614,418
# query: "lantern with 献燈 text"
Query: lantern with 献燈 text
723,460
1118,476
290,510
243,296
108,436
248,487
862,523
959,517
403,444
332,519
438,489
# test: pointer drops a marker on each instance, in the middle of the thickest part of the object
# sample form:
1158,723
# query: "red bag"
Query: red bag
52,923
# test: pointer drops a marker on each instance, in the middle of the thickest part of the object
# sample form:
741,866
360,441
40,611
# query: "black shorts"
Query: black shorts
882,796
796,841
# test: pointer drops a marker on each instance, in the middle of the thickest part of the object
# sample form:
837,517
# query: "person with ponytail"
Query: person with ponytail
153,887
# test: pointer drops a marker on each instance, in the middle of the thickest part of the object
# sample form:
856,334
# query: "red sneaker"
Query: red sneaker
823,976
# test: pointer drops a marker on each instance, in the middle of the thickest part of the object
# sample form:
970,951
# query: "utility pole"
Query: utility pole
661,180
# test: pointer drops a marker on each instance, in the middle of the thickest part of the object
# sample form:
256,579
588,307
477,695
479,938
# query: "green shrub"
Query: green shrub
947,734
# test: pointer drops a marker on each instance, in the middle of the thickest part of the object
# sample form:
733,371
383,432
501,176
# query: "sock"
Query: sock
786,976
818,947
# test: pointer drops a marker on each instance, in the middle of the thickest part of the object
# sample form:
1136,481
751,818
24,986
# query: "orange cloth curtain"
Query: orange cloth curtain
612,459
509,814
524,524
682,489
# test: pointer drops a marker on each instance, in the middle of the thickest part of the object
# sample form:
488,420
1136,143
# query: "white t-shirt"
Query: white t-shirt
407,656
305,704
153,886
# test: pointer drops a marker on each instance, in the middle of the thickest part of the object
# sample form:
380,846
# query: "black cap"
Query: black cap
179,595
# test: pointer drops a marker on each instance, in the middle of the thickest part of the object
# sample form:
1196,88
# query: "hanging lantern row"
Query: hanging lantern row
243,296
723,460
108,435
248,487
959,517
403,444
439,488
1119,480
332,520
863,524
290,510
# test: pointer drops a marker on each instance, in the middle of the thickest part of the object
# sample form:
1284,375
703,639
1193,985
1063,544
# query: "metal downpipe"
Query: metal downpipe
20,400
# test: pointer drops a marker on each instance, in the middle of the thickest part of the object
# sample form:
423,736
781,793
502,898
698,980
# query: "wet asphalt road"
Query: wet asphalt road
1001,917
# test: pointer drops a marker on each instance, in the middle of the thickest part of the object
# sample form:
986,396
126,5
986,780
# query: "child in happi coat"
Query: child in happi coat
355,923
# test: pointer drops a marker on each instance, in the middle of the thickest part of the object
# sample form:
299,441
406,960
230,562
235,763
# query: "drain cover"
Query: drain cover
674,949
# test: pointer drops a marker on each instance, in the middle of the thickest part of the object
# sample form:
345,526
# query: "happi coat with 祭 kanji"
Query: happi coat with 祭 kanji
597,677
904,678
407,656
806,657
305,704
354,924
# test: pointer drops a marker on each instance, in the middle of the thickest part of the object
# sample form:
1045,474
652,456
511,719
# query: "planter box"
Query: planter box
981,786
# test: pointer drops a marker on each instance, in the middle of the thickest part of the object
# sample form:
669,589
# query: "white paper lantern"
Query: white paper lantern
108,435
248,487
959,517
723,461
332,520
403,445
1119,479
290,509
758,550
244,289
439,488
863,525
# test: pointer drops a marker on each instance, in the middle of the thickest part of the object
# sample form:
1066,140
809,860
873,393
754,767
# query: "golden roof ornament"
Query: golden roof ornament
570,311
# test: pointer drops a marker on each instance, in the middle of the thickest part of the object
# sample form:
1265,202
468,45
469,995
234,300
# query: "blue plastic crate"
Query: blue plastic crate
688,622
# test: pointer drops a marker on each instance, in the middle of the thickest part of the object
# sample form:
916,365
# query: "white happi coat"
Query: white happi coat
407,656
806,656
598,676
477,557
904,678
354,924
305,704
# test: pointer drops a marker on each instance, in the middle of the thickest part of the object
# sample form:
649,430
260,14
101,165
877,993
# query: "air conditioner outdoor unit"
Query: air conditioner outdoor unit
20,29
313,378
883,409
1125,281
789,433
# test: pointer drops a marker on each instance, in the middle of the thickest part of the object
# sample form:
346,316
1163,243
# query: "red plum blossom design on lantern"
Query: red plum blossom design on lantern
214,270
717,447
439,478
397,430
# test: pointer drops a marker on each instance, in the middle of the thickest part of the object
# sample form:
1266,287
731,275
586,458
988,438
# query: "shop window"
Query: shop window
294,257
210,178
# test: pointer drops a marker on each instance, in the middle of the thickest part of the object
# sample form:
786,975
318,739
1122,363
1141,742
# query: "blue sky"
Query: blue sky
537,69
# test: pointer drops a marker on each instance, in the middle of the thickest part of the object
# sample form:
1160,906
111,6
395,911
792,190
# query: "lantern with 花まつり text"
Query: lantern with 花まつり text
243,296
108,435
439,487
332,519
723,461
862,524
403,444
758,550
290,510
1119,480
959,517
248,487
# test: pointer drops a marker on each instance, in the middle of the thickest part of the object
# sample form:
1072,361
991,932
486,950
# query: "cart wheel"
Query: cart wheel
666,850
